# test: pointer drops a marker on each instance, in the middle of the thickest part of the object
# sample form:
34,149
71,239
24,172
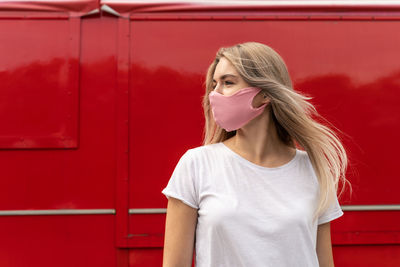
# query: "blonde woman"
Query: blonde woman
261,190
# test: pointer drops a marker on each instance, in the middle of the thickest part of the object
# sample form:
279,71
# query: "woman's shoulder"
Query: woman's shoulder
200,156
204,153
305,160
302,156
204,149
302,153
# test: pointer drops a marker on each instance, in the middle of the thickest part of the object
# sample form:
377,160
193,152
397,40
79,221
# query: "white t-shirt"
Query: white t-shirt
250,215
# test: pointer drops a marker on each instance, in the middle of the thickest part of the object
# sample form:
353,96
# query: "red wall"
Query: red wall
96,110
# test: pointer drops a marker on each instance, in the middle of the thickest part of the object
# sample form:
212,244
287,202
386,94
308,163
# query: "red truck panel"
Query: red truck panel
99,99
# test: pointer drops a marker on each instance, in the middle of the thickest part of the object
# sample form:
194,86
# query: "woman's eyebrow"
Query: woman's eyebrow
226,75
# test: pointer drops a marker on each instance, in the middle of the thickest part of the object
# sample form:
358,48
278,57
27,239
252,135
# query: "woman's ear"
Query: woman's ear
266,100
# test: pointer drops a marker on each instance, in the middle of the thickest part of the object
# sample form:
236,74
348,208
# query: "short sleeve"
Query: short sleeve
332,213
181,185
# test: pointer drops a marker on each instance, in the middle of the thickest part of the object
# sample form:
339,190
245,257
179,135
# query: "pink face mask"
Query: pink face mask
234,111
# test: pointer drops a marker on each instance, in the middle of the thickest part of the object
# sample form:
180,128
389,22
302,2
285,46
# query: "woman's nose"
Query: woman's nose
217,89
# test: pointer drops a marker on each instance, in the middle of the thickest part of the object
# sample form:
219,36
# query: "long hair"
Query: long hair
261,66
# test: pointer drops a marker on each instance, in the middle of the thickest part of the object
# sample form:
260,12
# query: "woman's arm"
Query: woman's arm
180,227
324,245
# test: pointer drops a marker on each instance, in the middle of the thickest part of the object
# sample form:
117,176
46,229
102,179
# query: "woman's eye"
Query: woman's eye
226,82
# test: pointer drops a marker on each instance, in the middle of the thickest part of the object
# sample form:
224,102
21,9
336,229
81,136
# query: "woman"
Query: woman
249,197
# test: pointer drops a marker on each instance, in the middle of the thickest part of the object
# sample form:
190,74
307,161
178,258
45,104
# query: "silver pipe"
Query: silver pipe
147,211
387,207
56,212
370,207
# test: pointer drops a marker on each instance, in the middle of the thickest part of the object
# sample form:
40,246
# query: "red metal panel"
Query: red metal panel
350,73
72,7
82,178
146,230
42,52
145,257
367,256
65,178
367,228
138,81
40,93
122,135
127,7
65,241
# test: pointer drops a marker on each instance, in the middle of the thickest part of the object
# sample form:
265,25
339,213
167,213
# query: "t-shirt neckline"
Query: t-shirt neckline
247,162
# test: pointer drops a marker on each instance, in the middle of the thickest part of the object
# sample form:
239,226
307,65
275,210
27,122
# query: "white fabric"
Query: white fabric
249,215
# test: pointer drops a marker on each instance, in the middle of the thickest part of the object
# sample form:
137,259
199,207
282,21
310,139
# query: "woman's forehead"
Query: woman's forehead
224,67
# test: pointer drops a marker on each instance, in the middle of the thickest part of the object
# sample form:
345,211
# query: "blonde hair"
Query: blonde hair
261,66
